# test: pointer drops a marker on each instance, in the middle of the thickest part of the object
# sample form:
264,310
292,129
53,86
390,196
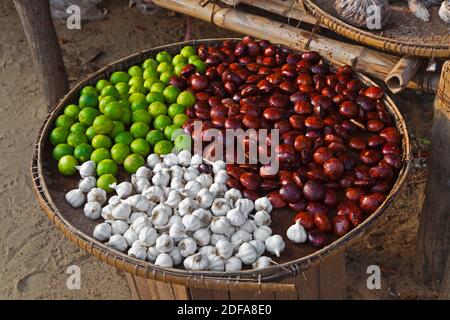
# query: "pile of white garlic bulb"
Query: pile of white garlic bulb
171,213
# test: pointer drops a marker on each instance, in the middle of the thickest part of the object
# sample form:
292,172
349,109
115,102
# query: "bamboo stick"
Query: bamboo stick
368,61
402,73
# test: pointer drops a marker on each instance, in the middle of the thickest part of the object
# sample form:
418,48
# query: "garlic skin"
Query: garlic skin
205,216
236,216
202,237
186,206
170,159
154,194
135,215
192,188
141,223
196,262
87,169
191,222
139,202
102,231
233,195
230,232
130,236
275,244
207,250
164,260
161,214
240,237
224,248
190,174
247,253
262,218
87,184
177,231
160,167
262,233
138,252
249,226
218,165
205,180
184,158
215,237
245,205
122,211
118,242
220,207
174,219
220,225
119,227
233,264
152,160
161,179
144,172
139,183
176,256
164,243
92,210
216,263
75,198
174,198
263,204
296,233
114,201
262,263
107,212
196,160
148,236
97,195
152,254
177,183
187,247
123,189
218,189
204,198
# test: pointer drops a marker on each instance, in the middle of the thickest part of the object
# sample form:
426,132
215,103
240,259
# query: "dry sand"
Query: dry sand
35,255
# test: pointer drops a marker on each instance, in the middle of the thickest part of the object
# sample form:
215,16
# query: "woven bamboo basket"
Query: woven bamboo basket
432,46
302,273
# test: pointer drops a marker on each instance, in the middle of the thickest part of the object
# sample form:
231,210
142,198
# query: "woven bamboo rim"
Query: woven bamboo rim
242,280
416,47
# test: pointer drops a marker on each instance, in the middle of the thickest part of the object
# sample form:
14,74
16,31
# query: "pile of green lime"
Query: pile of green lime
121,120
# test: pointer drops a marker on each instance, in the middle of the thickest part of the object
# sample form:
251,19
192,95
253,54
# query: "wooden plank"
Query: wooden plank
251,295
146,288
286,295
207,294
433,239
133,286
180,292
332,276
308,283
164,290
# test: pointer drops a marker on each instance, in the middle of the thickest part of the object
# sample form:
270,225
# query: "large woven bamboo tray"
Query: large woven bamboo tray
50,188
404,34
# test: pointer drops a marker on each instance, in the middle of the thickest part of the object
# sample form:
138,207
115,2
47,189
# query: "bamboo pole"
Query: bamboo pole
368,61
402,73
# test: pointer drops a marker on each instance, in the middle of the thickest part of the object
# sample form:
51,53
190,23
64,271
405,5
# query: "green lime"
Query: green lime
87,116
141,116
169,131
139,129
193,58
163,147
101,84
137,89
107,166
76,138
105,181
67,164
78,127
164,56
200,66
183,142
83,152
133,162
113,110
124,137
90,133
179,59
149,63
154,96
89,90
150,81
165,76
119,152
150,73
180,119
126,117
186,98
161,122
58,135
124,103
137,96
187,51
163,67
118,127
135,71
101,141
100,154
139,105
88,100
136,81
154,136
72,110
64,121
158,87
61,150
157,108
171,94
175,109
178,68
102,124
122,88
104,101
119,76
110,90
140,146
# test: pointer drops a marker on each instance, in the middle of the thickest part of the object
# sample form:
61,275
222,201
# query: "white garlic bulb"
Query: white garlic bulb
262,262
202,236
170,159
161,214
218,165
215,237
152,254
152,160
233,264
139,183
296,233
205,216
130,236
136,214
275,244
190,174
207,250
176,172
204,198
177,183
240,236
102,231
259,246
186,206
231,230
174,198
122,211
148,236
196,160
164,260
164,243
97,195
160,167
87,184
247,253
215,263
177,231
249,226
161,179
233,195
262,233
220,225
174,219
196,262
118,242
224,248
220,207
123,189
176,256
263,204
92,210
218,189
191,222
114,201
187,247
262,218
75,198
87,169
138,252
119,227
221,177
184,158
154,194
144,172
205,180
236,216
246,205
107,212
141,223
192,188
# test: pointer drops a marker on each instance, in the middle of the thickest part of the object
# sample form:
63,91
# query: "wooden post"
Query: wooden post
433,239
41,35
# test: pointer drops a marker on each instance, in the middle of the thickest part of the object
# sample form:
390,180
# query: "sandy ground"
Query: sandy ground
34,256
